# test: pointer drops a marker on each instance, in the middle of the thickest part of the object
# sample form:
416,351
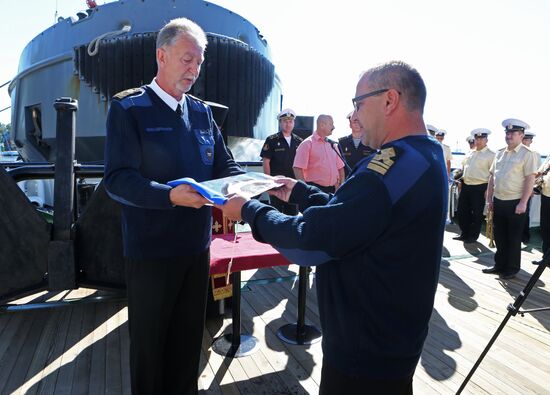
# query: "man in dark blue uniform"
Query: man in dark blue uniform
155,134
352,147
376,289
278,155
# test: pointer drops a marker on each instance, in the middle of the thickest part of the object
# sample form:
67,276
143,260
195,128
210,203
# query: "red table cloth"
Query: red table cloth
246,252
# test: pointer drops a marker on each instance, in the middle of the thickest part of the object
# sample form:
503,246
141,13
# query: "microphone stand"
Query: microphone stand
333,144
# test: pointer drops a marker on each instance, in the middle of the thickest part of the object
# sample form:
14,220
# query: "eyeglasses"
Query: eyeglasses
356,100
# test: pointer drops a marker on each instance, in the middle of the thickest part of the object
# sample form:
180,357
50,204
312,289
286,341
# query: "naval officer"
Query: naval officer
440,136
471,142
278,155
475,177
155,134
351,146
510,186
373,330
527,141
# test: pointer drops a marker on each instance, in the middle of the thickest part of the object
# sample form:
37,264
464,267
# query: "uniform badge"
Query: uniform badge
266,147
208,153
382,161
279,143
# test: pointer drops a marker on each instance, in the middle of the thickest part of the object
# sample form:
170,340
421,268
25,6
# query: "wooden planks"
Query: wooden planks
83,349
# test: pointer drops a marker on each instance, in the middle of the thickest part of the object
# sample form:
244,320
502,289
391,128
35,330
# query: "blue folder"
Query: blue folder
210,194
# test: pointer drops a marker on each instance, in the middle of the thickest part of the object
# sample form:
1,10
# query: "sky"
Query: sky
481,61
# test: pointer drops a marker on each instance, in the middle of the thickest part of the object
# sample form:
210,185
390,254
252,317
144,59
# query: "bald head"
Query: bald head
325,125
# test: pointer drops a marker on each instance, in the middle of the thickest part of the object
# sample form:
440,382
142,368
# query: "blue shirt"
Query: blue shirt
147,145
383,230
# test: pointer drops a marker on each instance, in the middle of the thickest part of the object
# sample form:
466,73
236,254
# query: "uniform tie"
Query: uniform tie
178,110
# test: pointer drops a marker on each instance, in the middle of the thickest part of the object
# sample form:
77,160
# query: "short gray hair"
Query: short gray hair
181,26
402,77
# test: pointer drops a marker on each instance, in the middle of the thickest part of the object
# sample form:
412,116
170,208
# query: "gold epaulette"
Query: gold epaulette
382,161
126,93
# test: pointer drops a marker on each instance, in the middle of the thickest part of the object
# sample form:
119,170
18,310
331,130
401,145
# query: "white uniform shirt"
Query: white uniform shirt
510,169
477,166
447,152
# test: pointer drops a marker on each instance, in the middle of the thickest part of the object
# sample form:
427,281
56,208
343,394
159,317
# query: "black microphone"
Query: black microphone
334,144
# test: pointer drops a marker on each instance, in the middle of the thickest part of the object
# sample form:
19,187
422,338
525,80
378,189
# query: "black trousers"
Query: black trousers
333,382
545,222
526,235
330,189
166,313
283,207
508,229
471,202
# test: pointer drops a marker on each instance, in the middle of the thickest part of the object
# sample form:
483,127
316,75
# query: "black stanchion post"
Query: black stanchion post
236,345
61,258
300,333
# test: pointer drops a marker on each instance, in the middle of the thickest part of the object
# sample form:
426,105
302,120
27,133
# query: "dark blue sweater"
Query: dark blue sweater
148,144
384,230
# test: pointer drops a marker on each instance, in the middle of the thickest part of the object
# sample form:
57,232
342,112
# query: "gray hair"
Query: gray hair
181,26
401,77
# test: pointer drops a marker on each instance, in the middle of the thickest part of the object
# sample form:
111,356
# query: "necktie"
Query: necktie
178,110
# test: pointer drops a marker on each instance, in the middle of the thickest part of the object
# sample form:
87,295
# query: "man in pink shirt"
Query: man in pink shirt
316,161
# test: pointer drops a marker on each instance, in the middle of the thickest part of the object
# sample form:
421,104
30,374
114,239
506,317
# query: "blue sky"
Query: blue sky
482,61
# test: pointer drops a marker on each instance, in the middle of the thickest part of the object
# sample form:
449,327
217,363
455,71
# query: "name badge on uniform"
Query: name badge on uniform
159,129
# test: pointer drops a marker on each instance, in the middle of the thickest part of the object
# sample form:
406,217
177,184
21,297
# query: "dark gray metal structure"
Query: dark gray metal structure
107,49
112,47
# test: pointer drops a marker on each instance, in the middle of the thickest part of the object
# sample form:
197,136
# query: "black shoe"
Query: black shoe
459,237
507,275
535,262
491,270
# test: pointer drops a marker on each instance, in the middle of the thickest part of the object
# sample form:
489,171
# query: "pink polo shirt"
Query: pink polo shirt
318,161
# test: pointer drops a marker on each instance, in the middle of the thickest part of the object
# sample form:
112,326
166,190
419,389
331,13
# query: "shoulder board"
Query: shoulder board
528,148
273,136
383,160
502,149
297,137
127,93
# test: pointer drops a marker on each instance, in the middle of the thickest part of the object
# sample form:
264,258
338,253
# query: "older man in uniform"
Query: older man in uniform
376,288
510,186
475,178
278,155
440,136
351,146
155,134
317,161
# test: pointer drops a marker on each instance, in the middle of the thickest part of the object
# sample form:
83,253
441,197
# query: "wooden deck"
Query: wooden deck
83,348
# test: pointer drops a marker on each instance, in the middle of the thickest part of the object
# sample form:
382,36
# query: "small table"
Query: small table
247,254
